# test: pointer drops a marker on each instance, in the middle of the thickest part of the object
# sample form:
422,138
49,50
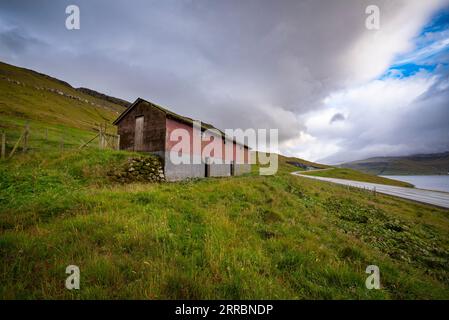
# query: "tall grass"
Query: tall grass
248,237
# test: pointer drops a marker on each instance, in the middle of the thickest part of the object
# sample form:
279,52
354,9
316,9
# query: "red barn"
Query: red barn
147,127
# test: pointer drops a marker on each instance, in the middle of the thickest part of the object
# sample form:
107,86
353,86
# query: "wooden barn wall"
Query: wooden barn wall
154,128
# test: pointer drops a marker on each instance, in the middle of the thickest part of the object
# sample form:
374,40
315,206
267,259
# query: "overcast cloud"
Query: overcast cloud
335,90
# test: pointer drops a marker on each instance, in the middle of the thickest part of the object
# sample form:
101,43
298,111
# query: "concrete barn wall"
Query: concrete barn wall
153,131
175,172
242,168
220,170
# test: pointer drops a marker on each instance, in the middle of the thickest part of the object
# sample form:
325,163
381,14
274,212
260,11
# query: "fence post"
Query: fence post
16,145
105,141
25,137
100,137
118,142
3,155
103,131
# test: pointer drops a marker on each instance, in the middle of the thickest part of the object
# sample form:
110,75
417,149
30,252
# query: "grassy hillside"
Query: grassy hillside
244,237
49,104
291,164
288,164
252,236
425,164
105,97
349,174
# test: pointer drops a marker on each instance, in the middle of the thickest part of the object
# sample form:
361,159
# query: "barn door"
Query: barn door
207,168
138,134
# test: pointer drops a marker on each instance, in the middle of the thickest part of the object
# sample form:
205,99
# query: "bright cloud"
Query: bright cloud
375,119
397,113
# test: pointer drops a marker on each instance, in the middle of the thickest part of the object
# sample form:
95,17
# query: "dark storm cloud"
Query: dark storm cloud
337,117
210,58
15,42
258,64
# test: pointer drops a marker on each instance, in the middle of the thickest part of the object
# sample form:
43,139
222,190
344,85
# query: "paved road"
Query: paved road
437,198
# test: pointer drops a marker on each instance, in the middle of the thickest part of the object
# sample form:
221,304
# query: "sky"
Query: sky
336,90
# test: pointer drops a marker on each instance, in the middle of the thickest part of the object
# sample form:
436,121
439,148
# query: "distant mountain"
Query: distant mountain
420,164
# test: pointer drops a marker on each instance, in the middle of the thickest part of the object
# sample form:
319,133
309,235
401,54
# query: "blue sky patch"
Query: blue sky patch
407,70
439,22
431,49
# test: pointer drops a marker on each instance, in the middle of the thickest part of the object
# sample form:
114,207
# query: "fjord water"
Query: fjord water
438,183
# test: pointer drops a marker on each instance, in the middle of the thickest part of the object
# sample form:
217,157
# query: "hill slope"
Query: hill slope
426,164
105,97
53,108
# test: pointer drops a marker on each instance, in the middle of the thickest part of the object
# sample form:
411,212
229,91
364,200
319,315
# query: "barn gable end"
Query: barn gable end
153,130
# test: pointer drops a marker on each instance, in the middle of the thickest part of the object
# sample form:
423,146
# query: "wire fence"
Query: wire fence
39,139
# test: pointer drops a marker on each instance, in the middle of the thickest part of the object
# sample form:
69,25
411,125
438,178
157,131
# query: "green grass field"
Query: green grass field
349,174
247,237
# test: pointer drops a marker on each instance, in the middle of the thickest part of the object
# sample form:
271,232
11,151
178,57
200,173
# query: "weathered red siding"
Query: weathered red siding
172,124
